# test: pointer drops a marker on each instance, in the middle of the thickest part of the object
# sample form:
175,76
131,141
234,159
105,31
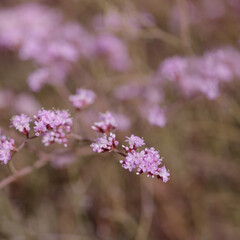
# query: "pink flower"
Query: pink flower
82,98
145,161
173,68
54,125
6,148
21,123
123,121
115,50
6,98
156,116
135,142
105,143
106,124
163,174
53,74
26,103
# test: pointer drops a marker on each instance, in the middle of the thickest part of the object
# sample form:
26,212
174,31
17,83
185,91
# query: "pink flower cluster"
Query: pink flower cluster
147,160
105,143
114,50
83,98
106,124
38,33
6,148
156,116
53,125
21,123
202,74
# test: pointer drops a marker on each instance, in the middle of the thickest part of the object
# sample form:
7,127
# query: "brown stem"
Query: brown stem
24,171
12,168
80,138
120,153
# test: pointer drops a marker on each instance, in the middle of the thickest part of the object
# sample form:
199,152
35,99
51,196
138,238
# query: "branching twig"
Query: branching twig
26,170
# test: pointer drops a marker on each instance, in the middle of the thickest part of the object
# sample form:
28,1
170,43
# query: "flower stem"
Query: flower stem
12,168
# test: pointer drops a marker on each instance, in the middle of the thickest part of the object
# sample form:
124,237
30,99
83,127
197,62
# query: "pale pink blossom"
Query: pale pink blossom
105,143
83,98
6,148
106,124
156,116
115,51
21,123
53,125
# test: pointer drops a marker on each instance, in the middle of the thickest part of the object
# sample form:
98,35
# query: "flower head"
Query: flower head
53,125
105,143
106,124
163,174
21,123
134,142
82,98
6,148
144,161
156,116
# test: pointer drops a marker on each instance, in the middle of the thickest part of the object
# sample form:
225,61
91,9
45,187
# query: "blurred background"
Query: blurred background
50,48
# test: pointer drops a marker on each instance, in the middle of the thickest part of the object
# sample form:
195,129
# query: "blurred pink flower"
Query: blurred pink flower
106,124
55,74
115,51
201,74
6,98
62,159
156,116
6,148
26,103
123,122
82,98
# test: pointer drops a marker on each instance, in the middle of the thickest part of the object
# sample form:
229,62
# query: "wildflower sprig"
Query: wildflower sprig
144,161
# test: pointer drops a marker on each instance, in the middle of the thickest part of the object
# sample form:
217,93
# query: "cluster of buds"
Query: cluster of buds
105,143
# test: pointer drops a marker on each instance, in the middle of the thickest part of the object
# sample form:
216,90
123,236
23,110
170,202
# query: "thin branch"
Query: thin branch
25,171
80,138
120,153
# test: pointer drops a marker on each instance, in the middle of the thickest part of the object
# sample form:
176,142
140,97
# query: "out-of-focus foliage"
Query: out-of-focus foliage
91,196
